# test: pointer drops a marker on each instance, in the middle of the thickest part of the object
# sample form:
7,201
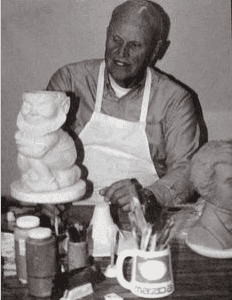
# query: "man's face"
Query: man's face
36,112
128,50
224,184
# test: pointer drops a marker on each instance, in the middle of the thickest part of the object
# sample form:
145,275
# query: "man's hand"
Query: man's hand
120,193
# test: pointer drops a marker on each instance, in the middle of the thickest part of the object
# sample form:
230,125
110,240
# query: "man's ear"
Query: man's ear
163,49
156,50
66,105
159,51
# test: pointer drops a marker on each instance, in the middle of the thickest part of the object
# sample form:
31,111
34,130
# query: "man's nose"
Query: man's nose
123,50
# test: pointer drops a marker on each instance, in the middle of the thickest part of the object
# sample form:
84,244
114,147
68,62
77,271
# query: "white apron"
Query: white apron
116,149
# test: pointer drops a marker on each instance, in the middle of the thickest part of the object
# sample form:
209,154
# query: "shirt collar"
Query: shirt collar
120,91
109,91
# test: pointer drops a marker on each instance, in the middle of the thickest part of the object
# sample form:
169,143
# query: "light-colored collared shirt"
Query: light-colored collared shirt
173,125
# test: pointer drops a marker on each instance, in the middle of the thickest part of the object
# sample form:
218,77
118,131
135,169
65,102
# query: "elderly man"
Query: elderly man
139,129
211,174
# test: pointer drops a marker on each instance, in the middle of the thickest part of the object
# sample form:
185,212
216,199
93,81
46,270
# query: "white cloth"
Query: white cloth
119,91
116,149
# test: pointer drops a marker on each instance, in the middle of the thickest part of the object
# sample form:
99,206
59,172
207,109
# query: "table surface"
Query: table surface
195,276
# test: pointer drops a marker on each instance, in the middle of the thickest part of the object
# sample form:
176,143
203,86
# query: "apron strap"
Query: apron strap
100,87
146,97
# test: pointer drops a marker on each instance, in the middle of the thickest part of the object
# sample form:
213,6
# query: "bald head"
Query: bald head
146,14
135,38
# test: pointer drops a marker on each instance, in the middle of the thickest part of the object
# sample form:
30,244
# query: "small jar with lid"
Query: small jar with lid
23,225
41,256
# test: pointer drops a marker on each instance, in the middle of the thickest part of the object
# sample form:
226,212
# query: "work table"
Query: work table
195,276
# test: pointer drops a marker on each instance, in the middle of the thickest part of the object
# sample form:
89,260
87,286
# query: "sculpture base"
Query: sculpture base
66,195
94,200
208,252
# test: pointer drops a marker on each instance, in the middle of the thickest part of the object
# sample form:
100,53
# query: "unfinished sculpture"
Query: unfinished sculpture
46,153
211,174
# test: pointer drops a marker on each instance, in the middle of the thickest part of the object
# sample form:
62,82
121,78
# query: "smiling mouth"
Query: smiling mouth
121,64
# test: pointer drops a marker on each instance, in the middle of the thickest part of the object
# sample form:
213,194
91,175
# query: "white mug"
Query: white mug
151,273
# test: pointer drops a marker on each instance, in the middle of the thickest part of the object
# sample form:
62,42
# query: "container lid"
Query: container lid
10,216
40,233
27,222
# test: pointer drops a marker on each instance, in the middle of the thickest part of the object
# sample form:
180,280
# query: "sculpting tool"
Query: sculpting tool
56,223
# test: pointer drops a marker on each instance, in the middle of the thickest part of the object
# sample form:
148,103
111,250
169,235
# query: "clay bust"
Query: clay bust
211,174
46,153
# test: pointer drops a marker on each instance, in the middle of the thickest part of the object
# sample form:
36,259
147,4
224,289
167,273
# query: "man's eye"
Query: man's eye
116,39
229,182
135,45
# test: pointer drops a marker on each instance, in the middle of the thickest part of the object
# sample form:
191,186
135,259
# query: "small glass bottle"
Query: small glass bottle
23,225
41,256
11,221
101,231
